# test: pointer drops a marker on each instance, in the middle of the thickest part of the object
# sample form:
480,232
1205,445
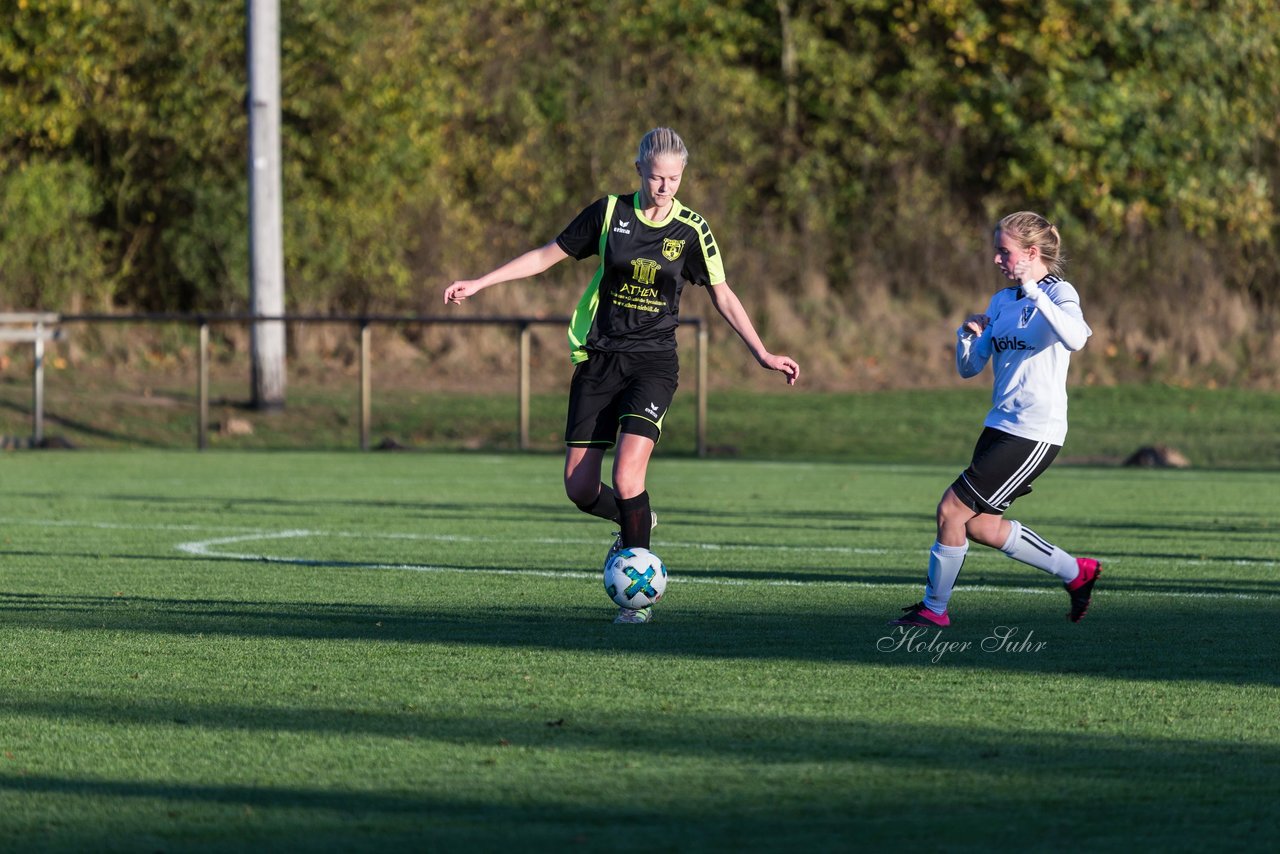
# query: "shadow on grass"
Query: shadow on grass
1174,524
1047,753
262,508
288,508
1193,639
985,785
83,428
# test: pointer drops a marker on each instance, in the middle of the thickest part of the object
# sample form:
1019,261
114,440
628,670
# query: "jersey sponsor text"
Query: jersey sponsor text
1008,342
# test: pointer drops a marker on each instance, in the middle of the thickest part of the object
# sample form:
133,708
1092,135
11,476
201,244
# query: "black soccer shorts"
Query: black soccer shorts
1002,469
620,392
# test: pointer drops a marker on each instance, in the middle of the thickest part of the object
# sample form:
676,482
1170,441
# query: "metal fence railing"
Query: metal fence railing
35,327
39,327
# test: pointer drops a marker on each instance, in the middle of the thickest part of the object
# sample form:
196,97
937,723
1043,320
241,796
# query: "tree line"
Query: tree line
852,154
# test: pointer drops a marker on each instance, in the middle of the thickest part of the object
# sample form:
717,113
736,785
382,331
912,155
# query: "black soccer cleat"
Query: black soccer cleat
919,615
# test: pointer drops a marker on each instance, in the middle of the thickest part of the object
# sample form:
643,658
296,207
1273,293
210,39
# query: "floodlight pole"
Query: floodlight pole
266,249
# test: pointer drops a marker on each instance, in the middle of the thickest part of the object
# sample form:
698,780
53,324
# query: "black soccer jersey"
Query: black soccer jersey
633,302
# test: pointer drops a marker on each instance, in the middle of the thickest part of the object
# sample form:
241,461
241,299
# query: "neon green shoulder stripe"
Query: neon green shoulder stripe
707,242
585,314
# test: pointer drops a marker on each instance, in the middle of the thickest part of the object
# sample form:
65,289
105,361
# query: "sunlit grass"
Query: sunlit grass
1219,428
349,651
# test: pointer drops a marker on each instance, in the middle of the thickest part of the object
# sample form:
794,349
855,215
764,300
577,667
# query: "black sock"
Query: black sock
636,521
605,506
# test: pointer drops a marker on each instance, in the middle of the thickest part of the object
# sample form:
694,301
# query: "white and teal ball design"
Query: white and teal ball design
635,578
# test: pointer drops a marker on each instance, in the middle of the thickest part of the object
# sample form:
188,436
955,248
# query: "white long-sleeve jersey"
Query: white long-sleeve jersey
1029,341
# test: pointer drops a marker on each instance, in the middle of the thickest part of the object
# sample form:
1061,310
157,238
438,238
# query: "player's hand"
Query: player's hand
974,324
460,290
785,364
1022,272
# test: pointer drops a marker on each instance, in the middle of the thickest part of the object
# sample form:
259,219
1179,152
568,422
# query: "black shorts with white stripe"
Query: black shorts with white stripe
1002,469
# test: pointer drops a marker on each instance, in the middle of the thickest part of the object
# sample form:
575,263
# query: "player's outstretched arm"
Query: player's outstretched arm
529,264
732,310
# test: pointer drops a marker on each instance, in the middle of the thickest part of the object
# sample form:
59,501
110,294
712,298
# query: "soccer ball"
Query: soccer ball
635,578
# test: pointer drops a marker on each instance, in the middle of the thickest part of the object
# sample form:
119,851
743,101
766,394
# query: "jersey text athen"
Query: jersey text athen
633,302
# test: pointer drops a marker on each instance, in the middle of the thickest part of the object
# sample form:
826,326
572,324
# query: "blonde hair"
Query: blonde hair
1030,229
659,142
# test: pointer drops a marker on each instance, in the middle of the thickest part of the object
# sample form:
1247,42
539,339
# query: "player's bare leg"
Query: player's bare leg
582,484
630,465
945,560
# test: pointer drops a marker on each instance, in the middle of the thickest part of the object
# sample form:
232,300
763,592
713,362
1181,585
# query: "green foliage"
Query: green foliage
48,246
358,135
149,97
423,140
1110,116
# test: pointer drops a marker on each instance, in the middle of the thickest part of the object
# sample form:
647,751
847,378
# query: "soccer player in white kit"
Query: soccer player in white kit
1028,334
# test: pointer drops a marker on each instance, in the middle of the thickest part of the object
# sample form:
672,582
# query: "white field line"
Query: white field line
206,548
250,533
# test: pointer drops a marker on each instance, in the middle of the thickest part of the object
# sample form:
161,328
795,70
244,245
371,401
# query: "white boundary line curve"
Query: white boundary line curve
206,549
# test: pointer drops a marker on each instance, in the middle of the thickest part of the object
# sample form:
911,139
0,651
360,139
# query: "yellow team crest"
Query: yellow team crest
671,249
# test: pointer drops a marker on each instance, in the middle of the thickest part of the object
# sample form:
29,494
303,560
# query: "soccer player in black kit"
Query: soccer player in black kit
623,333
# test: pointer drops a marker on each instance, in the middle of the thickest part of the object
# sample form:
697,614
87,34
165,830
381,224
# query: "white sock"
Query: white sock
1029,547
944,568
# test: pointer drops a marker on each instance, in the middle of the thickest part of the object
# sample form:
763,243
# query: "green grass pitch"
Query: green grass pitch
327,651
